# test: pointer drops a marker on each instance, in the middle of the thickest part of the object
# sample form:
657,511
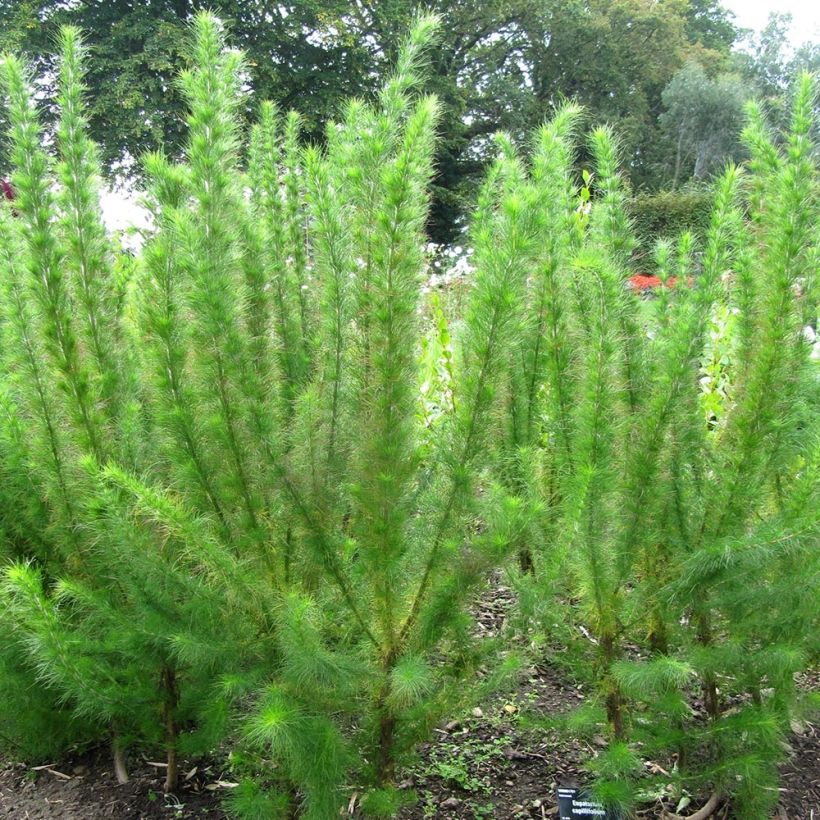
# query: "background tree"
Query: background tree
306,56
703,118
503,65
768,64
616,58
710,24
297,54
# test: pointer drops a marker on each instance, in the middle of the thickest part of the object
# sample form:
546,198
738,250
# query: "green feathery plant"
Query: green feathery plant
535,355
227,473
381,505
688,536
118,620
229,510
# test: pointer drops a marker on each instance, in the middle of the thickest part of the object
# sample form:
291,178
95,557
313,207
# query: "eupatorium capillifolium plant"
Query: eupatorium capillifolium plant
692,540
220,445
227,514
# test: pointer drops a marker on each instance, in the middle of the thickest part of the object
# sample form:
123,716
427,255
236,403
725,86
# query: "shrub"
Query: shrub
682,534
669,214
236,496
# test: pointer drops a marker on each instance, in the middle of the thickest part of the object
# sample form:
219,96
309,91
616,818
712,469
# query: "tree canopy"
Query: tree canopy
503,65
704,118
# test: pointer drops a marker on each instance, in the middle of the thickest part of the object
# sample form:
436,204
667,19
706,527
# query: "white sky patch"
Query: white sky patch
122,211
754,14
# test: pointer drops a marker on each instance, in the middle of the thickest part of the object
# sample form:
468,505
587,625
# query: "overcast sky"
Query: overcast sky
754,14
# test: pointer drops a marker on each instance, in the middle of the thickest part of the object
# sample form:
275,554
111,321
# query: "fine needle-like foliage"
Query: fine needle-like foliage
689,536
383,517
125,626
228,479
235,513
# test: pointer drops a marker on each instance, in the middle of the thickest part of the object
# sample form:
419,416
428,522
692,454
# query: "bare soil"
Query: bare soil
85,789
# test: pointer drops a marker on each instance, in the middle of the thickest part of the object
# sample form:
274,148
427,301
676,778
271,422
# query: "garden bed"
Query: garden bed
491,763
480,768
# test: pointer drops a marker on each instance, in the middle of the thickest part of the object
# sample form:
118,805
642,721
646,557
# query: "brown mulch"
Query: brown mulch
513,773
800,774
503,770
800,777
85,789
492,765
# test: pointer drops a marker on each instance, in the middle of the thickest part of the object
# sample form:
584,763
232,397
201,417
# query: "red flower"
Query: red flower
642,282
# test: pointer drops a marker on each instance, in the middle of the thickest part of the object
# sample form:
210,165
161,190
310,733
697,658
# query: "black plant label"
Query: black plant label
577,804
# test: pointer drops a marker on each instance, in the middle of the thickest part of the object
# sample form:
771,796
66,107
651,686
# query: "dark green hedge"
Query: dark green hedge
669,213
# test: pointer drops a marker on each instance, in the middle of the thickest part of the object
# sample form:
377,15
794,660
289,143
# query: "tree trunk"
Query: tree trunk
677,162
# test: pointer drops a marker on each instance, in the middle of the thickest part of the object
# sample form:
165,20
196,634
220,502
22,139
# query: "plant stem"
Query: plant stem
171,690
614,700
120,769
